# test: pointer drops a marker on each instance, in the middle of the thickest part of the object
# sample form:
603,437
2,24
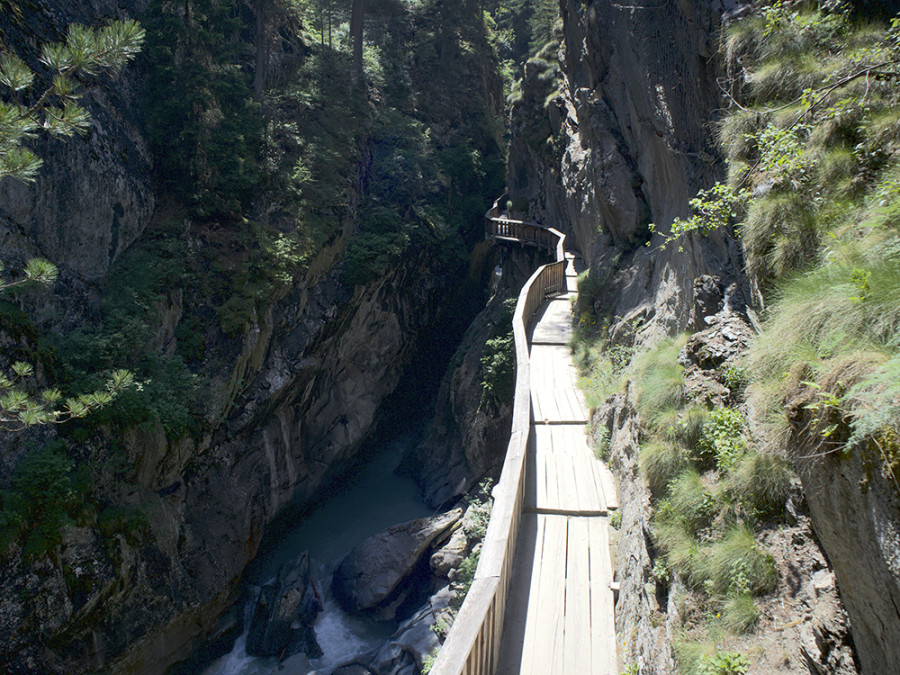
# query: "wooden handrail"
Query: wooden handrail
472,646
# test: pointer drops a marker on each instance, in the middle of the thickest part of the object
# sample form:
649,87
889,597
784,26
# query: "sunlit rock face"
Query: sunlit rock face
632,126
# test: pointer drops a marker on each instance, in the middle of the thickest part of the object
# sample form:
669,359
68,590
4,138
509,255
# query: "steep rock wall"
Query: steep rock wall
633,117
93,196
468,436
854,501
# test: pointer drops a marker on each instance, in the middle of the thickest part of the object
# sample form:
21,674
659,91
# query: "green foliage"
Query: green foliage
523,26
428,661
817,142
498,360
478,513
207,140
22,405
53,107
45,495
713,209
370,255
723,437
36,270
464,578
736,378
168,393
724,663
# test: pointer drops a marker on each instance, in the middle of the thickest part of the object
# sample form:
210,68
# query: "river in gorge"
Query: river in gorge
372,499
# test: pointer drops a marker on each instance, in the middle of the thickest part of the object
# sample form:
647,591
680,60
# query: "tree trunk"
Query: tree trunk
262,50
356,37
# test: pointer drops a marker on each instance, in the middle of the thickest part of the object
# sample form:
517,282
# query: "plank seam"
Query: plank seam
544,511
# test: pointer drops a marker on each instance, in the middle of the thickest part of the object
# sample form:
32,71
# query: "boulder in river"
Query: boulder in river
374,575
285,611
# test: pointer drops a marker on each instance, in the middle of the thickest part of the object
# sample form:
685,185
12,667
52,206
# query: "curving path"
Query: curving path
541,601
559,612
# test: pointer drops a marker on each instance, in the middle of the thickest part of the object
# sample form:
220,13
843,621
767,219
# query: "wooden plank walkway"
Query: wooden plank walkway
559,614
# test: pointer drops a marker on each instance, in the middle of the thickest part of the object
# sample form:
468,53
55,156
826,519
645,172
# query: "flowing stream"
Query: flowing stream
372,499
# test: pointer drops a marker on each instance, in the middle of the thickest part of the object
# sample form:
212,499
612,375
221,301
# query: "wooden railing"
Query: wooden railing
473,645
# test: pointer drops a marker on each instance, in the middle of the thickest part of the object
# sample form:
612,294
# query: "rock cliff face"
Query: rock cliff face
293,392
468,436
853,501
92,199
635,101
626,141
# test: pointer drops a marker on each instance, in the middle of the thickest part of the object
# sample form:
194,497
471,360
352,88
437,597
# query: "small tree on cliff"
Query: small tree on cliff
25,112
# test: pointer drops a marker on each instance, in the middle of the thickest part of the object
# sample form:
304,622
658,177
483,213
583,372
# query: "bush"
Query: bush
724,663
722,438
45,496
498,359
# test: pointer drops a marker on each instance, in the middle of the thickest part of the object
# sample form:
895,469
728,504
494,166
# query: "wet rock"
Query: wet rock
372,577
352,669
285,611
415,638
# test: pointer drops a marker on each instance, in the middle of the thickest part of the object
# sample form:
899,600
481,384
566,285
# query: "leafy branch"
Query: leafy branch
713,209
54,110
20,408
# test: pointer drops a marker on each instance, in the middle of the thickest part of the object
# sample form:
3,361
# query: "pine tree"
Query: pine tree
54,109
25,112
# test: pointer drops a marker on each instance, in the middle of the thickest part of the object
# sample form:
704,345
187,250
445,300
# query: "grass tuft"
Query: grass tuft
780,235
736,564
661,462
658,374
739,613
762,483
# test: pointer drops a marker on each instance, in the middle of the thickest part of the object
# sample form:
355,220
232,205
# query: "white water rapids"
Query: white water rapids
373,499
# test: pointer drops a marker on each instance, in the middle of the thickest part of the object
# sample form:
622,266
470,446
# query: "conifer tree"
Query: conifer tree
28,109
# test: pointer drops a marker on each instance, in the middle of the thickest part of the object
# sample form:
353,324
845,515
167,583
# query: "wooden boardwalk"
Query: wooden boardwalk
559,612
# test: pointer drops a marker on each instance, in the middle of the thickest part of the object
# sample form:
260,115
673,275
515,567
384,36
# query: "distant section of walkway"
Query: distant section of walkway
559,612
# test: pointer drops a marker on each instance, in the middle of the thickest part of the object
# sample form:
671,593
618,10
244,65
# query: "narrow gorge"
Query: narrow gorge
258,386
